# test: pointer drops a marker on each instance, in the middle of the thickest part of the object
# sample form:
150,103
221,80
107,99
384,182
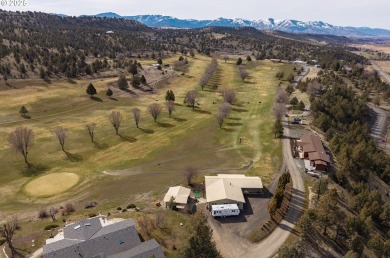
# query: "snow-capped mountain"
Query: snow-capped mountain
292,26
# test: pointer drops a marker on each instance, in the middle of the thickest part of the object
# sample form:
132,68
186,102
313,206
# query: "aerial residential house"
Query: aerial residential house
100,238
180,196
230,189
311,149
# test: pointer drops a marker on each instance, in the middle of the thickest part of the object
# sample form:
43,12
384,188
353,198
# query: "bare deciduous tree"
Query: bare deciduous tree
225,109
313,88
189,173
170,106
208,73
21,139
136,115
91,130
279,109
116,120
220,118
229,95
52,213
190,98
226,58
243,72
281,96
155,111
61,134
7,231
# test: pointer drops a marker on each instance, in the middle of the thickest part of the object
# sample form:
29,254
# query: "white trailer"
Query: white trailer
224,210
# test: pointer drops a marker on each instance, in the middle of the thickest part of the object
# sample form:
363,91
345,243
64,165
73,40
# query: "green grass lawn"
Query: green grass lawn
150,158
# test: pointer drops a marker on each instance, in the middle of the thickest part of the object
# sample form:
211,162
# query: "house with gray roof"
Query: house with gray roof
100,238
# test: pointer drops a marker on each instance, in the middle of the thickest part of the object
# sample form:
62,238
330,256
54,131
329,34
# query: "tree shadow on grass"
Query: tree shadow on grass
179,105
34,169
235,118
101,146
229,130
165,125
97,99
148,131
234,124
126,138
114,99
25,116
47,80
201,111
71,81
177,119
73,157
239,110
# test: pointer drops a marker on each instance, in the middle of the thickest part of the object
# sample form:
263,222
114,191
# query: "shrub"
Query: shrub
89,205
69,208
51,226
131,206
2,241
124,210
119,208
42,213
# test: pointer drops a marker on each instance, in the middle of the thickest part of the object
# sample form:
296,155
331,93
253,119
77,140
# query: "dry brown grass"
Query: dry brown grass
385,48
384,65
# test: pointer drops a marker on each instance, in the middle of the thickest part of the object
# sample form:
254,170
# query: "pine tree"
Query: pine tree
278,128
143,79
23,111
239,61
91,90
109,93
294,101
301,105
170,96
122,82
200,244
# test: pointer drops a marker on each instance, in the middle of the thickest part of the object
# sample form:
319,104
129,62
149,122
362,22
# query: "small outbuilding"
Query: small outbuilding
179,195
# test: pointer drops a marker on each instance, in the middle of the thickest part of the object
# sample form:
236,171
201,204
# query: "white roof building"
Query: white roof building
179,193
230,187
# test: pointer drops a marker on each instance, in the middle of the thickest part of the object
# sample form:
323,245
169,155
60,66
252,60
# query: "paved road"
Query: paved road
379,129
385,75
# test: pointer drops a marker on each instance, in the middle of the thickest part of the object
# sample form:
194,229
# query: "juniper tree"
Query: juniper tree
91,90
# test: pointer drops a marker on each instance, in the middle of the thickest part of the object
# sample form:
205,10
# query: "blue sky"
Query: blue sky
373,13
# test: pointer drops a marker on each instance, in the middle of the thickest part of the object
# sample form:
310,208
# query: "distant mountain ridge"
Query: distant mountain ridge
291,26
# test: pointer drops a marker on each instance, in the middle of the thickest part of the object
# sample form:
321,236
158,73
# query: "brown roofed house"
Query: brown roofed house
311,148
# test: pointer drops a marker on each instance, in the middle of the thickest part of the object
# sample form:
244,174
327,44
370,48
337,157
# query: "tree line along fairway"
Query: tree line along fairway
153,156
